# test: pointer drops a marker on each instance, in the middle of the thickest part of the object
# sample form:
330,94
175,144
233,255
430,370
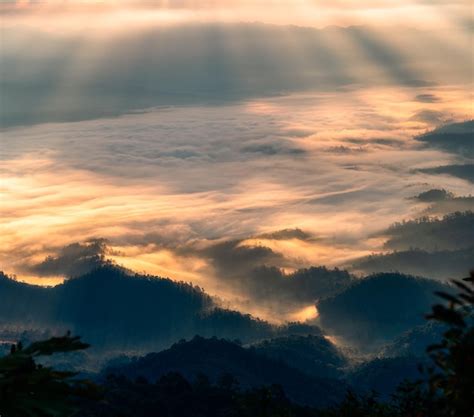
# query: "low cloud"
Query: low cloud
287,234
443,202
73,260
431,117
302,287
271,149
258,272
459,204
232,259
427,98
255,274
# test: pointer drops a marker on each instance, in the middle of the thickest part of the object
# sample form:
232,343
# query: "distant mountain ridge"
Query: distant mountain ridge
112,307
378,308
456,138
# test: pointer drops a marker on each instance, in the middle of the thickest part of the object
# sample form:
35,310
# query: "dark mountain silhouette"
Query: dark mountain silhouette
463,171
378,308
113,308
441,265
434,195
126,390
311,354
384,375
27,304
455,137
441,248
216,358
452,231
414,342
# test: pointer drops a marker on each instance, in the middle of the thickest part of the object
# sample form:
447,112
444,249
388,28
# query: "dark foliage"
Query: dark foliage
451,380
174,396
29,389
361,406
214,357
147,387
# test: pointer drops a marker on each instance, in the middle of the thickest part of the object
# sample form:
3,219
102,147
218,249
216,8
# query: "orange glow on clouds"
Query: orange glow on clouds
316,13
305,314
48,201
165,184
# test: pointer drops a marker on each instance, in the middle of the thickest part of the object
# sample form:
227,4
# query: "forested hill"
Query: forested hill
375,310
111,307
249,366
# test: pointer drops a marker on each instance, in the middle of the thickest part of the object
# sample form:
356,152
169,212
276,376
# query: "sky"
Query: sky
314,13
200,139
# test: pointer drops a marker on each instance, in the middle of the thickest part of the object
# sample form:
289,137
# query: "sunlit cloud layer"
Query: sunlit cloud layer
165,186
183,139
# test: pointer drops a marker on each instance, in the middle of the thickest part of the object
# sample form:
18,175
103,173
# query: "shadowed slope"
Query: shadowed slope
378,308
214,358
112,308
